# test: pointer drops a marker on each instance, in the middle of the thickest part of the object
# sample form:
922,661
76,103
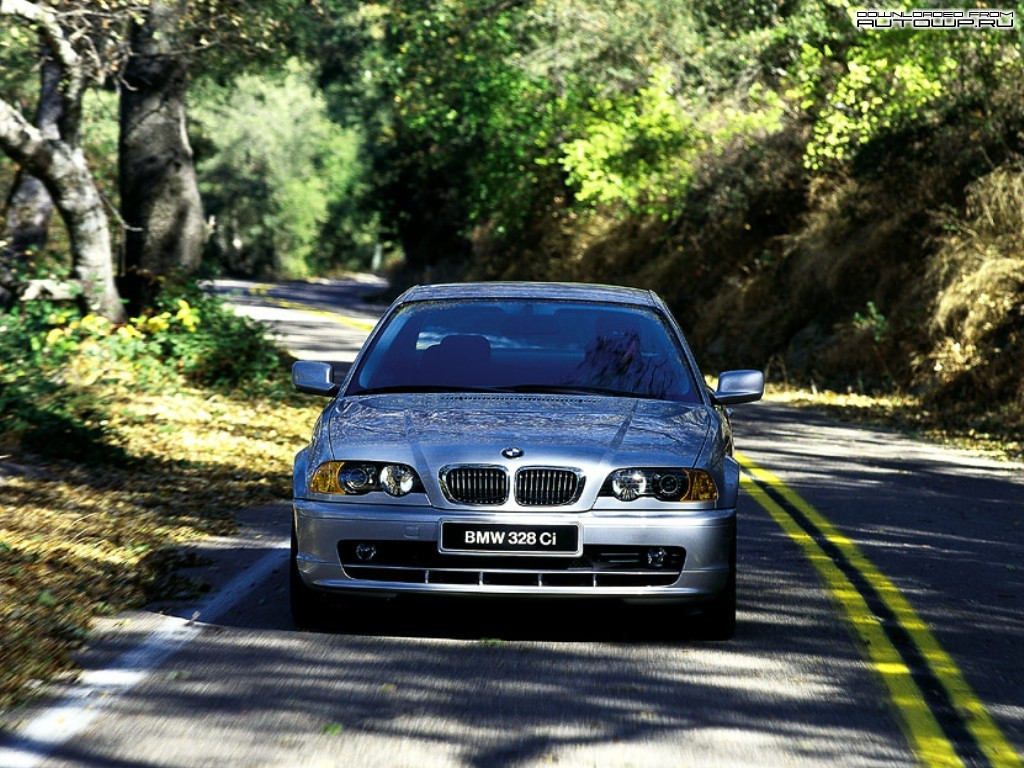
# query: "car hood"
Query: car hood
432,430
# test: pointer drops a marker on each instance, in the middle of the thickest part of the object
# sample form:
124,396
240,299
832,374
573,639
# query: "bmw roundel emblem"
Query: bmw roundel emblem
512,453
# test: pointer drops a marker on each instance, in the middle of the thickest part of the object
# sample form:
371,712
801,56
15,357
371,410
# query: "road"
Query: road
880,623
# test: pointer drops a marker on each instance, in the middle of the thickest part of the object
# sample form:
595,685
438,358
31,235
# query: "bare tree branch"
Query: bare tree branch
73,77
52,33
63,170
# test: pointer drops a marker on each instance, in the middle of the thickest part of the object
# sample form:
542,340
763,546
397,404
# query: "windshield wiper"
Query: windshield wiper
415,388
541,389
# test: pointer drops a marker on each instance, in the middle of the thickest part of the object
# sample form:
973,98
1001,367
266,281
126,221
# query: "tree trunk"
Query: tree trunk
159,193
29,208
64,173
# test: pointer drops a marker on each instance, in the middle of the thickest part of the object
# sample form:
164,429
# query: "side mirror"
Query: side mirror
736,387
314,378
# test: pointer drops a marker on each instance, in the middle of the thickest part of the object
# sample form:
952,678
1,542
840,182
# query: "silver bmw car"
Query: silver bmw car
518,440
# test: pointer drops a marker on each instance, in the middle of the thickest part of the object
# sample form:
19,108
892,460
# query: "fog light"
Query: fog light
365,552
656,557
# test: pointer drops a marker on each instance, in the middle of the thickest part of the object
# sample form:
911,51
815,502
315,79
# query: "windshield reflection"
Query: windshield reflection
517,345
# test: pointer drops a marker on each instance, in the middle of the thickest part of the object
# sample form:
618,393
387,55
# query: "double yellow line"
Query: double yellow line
829,550
262,290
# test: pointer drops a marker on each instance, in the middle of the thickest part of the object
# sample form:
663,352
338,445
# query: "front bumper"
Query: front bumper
641,555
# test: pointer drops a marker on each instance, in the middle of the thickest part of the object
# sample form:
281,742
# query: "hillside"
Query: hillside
839,206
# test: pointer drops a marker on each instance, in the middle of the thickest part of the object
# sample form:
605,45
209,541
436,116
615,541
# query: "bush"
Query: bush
39,409
211,346
976,277
59,369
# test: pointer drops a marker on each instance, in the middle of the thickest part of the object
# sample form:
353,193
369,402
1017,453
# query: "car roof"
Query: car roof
533,290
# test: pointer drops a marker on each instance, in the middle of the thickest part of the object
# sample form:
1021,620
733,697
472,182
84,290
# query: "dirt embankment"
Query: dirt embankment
906,275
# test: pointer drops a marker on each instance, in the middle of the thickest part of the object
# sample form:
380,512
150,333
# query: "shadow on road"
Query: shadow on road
484,683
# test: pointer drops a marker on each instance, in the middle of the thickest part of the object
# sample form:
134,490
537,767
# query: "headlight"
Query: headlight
629,484
663,484
357,478
354,478
325,479
397,479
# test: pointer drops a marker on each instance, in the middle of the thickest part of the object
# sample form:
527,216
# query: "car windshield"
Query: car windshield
521,345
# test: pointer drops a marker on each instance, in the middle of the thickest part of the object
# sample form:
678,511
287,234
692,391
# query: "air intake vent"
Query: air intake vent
547,487
475,485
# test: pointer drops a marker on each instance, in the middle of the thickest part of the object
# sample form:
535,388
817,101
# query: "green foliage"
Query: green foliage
545,139
55,364
37,401
738,15
641,151
493,118
211,345
890,81
100,132
633,150
271,166
877,94
466,112
872,322
18,81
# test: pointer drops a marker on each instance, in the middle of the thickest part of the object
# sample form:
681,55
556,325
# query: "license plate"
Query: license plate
510,538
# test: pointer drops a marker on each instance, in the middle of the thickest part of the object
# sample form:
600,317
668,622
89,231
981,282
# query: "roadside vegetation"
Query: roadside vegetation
909,415
117,445
843,208
840,206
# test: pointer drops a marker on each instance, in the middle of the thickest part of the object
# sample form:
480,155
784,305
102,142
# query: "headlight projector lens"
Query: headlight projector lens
629,484
397,479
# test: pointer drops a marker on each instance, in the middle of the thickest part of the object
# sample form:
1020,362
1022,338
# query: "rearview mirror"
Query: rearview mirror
736,387
314,378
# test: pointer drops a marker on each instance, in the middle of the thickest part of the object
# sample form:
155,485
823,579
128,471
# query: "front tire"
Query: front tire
720,615
308,607
719,619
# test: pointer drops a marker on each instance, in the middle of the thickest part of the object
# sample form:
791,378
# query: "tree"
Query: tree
59,162
29,206
160,198
147,47
159,194
274,169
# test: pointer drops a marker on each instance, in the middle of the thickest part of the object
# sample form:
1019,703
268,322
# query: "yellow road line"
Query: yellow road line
976,719
262,290
919,725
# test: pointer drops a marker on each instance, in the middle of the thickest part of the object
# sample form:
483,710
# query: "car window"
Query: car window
527,346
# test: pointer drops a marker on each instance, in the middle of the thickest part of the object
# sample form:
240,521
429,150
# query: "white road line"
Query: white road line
96,689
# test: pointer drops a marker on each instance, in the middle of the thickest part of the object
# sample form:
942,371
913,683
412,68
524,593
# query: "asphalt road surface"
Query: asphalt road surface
880,623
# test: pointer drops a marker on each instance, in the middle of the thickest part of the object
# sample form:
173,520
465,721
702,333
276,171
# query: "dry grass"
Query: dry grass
78,541
977,278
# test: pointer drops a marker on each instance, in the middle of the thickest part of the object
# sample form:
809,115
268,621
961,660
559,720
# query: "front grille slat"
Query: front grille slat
476,485
547,486
608,566
534,486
